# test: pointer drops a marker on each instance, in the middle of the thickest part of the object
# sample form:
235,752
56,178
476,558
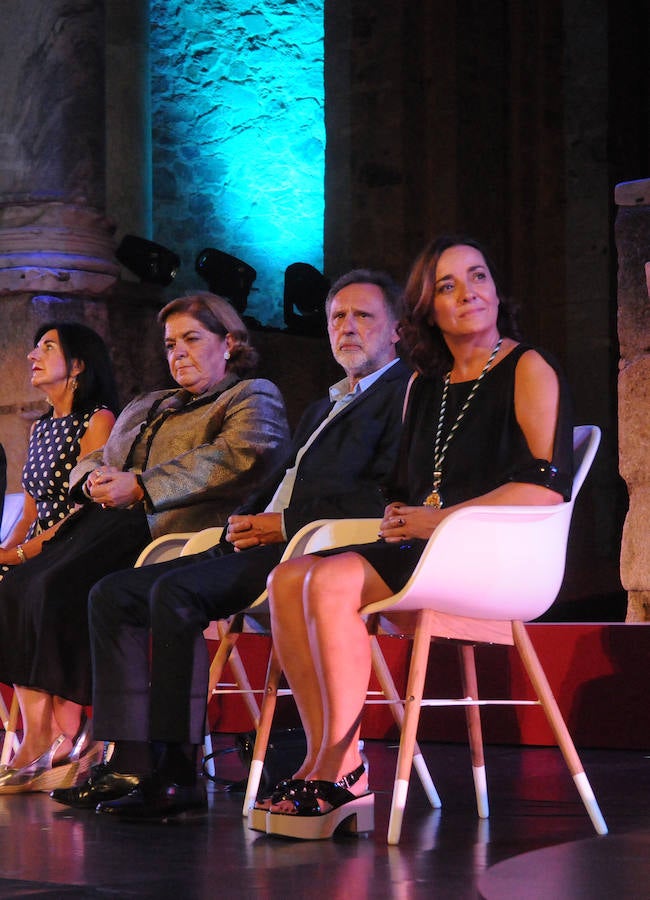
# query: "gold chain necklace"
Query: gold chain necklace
434,499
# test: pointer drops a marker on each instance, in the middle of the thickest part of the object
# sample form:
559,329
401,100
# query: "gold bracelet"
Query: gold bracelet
21,554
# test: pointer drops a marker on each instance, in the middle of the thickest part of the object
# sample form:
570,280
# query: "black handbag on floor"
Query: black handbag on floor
285,753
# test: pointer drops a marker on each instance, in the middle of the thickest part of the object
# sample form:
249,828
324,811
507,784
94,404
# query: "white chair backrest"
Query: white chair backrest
586,439
341,532
163,548
11,512
298,545
202,540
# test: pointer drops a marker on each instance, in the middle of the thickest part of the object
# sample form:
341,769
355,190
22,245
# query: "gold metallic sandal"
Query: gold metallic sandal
39,775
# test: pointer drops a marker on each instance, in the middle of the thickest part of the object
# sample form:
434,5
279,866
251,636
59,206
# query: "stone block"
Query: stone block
633,246
634,422
633,193
635,549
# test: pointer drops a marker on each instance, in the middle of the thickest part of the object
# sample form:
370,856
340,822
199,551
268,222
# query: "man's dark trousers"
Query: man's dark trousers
171,604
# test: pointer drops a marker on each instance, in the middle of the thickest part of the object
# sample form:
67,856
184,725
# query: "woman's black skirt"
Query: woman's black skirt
44,641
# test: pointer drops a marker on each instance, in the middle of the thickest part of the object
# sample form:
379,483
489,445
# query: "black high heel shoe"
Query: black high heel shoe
309,822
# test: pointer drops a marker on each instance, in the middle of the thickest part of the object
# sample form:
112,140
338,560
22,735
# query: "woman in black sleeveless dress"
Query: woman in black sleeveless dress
488,422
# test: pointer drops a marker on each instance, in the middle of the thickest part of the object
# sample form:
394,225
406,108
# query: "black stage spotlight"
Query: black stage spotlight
151,262
226,275
305,292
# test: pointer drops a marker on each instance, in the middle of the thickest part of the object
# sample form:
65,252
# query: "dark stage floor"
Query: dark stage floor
538,842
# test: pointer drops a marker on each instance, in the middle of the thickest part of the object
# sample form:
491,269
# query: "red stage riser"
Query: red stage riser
597,672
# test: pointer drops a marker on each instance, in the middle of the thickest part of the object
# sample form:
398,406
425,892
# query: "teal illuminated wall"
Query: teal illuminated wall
239,136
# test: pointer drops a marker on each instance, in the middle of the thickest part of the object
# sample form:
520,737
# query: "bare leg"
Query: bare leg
40,728
331,669
67,716
291,642
337,588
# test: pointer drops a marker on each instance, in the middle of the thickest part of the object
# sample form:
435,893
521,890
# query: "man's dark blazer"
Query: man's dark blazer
343,472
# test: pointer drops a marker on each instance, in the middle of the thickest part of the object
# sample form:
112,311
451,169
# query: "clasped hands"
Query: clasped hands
251,531
402,522
109,486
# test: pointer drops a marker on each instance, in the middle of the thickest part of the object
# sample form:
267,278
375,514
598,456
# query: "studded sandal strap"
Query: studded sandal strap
286,790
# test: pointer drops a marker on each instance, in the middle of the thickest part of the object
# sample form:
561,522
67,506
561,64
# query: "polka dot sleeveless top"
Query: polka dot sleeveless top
52,454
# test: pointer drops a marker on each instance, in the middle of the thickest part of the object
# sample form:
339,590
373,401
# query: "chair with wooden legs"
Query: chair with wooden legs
255,619
518,556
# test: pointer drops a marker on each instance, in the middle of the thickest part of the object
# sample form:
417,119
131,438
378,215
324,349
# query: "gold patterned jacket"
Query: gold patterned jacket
200,457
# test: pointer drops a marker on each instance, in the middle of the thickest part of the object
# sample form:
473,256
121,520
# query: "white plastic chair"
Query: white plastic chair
12,510
164,548
485,570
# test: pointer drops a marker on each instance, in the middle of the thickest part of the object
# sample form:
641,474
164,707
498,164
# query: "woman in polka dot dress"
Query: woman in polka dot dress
71,366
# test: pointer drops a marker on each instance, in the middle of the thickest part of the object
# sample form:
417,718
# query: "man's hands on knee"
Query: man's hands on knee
251,531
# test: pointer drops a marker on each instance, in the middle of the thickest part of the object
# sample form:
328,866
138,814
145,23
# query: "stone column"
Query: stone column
56,236
55,243
633,244
53,233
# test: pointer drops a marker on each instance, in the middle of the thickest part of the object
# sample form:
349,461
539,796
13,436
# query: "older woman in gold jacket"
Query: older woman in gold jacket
176,460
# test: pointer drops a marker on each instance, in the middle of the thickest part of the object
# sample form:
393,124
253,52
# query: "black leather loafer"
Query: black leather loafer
103,784
155,800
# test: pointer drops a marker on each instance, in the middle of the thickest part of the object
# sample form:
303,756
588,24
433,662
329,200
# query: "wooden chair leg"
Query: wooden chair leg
274,673
414,689
228,632
10,743
474,730
6,744
227,653
389,690
545,695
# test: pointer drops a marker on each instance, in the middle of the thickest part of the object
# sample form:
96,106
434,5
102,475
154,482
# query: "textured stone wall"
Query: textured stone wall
239,136
633,243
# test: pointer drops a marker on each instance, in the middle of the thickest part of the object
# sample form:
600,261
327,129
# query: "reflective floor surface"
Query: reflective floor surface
538,842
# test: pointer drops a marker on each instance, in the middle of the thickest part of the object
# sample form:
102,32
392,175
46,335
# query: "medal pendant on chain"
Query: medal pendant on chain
434,499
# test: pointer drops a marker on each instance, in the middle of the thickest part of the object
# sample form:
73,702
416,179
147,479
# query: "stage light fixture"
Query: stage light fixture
226,275
305,292
151,262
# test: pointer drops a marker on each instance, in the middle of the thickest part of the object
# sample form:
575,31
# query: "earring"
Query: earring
73,383
226,354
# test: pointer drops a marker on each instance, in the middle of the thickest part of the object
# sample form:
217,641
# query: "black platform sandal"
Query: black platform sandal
309,822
